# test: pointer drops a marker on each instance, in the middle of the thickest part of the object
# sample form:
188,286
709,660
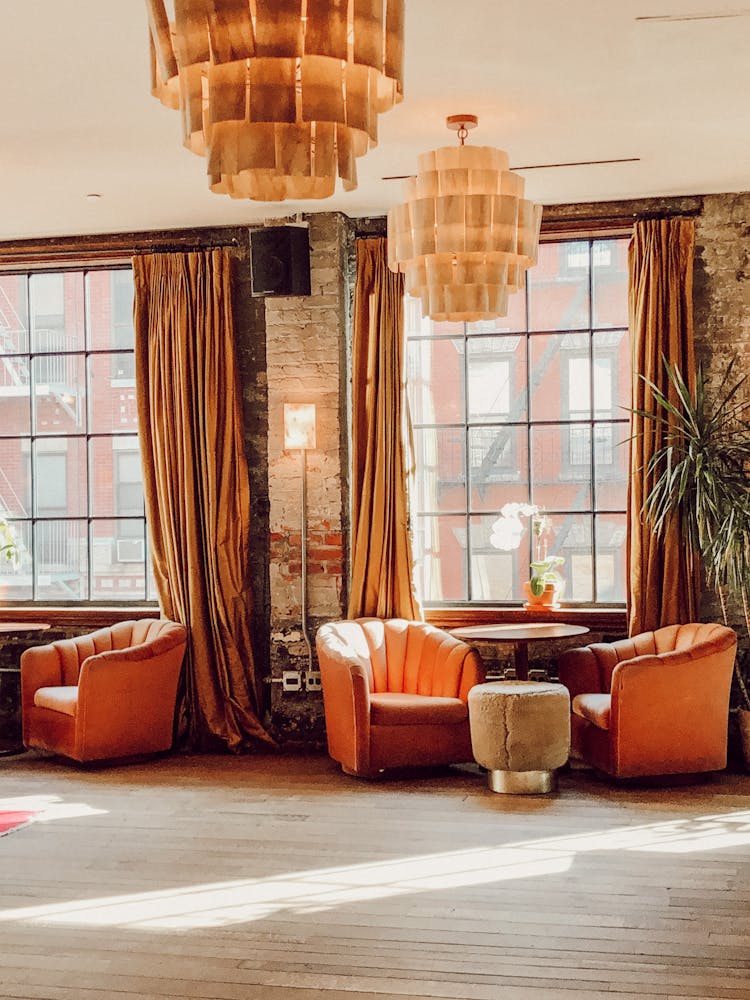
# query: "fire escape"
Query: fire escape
55,383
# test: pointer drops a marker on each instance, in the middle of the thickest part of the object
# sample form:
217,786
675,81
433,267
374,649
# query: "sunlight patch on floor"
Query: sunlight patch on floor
49,808
224,903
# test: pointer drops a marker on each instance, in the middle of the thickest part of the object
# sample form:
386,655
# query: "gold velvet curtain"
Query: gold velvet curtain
196,485
381,580
663,579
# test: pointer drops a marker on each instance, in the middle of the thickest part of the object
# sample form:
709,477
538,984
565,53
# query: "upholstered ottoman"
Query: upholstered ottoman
520,731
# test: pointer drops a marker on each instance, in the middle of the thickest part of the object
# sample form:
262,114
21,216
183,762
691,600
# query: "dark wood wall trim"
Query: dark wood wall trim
82,617
113,246
612,217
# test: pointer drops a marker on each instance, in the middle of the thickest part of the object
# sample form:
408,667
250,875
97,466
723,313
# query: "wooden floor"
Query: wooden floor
267,878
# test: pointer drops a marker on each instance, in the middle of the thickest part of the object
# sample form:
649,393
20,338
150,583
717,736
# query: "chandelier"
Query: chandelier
465,236
280,96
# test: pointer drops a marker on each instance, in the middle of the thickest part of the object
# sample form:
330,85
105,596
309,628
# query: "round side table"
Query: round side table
521,636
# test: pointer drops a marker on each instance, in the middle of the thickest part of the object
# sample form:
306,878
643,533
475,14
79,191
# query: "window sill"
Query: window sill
610,621
62,617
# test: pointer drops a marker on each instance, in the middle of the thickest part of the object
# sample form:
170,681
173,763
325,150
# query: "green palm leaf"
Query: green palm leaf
699,475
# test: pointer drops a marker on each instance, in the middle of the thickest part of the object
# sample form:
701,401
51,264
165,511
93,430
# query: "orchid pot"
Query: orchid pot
544,598
545,587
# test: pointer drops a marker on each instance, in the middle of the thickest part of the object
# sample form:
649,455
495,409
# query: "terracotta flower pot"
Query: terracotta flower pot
547,599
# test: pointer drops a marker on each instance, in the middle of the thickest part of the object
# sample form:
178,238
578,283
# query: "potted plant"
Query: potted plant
701,472
545,584
728,564
8,546
8,553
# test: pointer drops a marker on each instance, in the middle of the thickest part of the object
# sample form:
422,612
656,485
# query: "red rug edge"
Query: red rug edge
13,820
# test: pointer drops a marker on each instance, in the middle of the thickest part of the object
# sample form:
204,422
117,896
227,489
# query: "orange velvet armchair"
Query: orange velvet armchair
657,703
107,694
395,694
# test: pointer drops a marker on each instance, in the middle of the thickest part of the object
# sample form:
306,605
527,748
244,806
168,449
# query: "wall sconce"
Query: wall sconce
299,432
299,426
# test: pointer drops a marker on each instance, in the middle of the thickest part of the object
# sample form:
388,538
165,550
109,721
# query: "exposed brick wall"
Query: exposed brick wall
325,557
722,281
306,350
250,342
722,313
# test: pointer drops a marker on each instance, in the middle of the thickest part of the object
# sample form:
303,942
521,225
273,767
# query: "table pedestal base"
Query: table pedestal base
521,661
521,782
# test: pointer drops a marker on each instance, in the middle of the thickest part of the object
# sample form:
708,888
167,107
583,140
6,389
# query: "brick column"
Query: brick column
721,299
306,342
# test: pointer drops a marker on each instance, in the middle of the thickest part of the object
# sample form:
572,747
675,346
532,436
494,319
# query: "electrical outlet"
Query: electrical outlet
312,680
538,675
291,680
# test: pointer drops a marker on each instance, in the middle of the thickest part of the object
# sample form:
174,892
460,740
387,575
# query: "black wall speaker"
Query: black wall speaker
280,260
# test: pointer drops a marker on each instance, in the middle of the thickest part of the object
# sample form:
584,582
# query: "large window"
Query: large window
70,473
530,408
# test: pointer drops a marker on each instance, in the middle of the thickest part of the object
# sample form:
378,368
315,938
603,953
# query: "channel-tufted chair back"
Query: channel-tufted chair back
110,693
656,703
395,693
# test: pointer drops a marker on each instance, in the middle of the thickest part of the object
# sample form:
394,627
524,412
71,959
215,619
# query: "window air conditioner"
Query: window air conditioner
130,550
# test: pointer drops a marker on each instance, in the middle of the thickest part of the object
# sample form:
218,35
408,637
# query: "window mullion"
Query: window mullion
467,467
32,442
592,400
88,391
529,482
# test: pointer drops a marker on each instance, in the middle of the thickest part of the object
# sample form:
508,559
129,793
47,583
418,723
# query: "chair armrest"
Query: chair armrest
473,673
346,700
580,671
119,692
662,677
40,667
125,673
676,704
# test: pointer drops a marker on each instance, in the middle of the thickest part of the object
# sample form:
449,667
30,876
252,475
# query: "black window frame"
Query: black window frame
32,525
596,424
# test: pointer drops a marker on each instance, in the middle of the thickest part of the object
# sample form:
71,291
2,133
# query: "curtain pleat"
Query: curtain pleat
381,578
663,584
196,485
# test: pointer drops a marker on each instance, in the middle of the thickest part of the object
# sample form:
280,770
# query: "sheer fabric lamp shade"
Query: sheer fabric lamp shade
299,426
280,96
465,235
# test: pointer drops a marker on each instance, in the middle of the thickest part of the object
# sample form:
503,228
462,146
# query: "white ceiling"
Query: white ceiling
551,82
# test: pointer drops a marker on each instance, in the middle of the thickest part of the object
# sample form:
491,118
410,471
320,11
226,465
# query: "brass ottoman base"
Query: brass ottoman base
521,782
520,731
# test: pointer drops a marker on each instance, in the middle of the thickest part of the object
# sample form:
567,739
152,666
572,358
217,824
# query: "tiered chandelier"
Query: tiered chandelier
465,235
281,96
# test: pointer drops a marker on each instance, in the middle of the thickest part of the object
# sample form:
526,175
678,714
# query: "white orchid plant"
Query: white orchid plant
8,545
506,535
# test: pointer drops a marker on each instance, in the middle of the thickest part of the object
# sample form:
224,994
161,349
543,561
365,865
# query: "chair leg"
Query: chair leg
360,774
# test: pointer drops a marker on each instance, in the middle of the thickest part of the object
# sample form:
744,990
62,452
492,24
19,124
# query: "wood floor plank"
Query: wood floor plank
278,878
